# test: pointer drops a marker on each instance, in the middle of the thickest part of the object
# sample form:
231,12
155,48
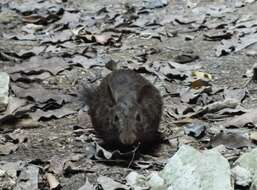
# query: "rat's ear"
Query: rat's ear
111,93
145,92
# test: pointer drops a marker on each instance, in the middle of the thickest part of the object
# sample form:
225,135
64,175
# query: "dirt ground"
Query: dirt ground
156,42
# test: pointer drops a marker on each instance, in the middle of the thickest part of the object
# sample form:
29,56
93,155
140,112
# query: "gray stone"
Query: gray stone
254,183
136,181
4,90
191,169
248,161
28,178
155,182
241,175
151,4
194,129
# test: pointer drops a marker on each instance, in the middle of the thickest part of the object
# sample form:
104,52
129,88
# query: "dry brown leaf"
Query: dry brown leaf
230,140
249,118
109,184
58,113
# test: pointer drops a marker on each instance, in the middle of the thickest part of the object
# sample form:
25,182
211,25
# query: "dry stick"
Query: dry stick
133,156
247,82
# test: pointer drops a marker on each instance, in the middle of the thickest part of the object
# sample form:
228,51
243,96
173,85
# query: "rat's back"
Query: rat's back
133,100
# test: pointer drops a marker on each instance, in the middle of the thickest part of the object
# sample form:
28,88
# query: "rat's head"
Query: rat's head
129,120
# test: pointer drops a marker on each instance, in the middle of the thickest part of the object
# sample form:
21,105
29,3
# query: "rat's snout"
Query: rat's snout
127,137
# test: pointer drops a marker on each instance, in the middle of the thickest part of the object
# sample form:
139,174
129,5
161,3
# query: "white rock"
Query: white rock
155,181
136,181
110,184
170,188
254,183
4,90
241,175
248,161
191,169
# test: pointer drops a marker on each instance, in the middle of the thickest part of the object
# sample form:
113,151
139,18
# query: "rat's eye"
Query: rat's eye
138,117
116,118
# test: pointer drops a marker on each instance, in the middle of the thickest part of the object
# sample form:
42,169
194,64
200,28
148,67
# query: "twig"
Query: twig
247,82
133,156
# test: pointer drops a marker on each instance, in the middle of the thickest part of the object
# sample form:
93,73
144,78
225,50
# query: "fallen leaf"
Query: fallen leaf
185,58
235,44
57,37
57,164
95,151
109,184
151,4
217,35
8,148
199,83
216,106
13,105
20,77
230,139
38,64
236,94
39,94
70,19
46,115
246,119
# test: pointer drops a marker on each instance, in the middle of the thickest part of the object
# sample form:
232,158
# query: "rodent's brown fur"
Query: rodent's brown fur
125,108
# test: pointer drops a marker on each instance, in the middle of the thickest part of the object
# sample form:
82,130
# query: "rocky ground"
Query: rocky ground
201,55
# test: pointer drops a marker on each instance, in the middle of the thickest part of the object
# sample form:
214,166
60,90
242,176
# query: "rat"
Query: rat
125,108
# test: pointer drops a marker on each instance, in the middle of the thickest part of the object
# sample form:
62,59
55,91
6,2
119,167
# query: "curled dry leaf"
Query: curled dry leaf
57,164
8,148
40,95
13,105
217,35
39,64
199,83
12,122
243,120
109,184
216,106
151,4
46,115
230,140
185,58
95,151
236,94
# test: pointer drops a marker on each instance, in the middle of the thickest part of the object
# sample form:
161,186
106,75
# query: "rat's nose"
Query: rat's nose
127,138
